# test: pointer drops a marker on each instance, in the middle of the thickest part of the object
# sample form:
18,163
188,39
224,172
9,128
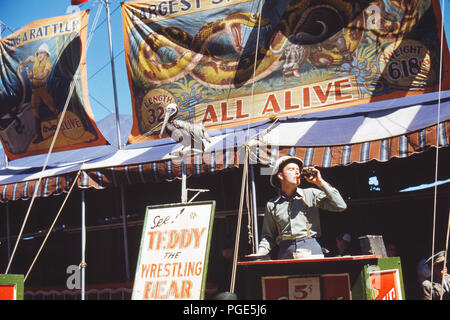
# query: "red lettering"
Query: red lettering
173,239
306,98
151,238
224,106
239,114
186,286
160,239
339,85
173,290
159,288
160,269
176,264
153,270
180,273
323,97
189,268
167,269
147,287
197,236
186,238
198,268
145,269
271,104
210,114
287,101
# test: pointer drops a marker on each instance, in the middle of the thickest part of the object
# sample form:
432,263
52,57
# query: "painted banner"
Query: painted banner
174,251
228,63
37,65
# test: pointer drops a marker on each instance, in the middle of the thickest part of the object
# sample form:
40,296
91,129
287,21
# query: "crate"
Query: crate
372,244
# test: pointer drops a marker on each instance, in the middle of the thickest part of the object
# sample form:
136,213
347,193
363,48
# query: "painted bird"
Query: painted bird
191,135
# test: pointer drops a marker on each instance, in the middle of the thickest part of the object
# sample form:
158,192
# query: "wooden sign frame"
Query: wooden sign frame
385,285
174,251
12,282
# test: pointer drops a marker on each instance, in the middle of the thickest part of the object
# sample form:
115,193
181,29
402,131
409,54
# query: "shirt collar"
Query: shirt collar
298,194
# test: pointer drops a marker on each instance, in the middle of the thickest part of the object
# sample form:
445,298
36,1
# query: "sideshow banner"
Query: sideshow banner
228,63
174,252
37,65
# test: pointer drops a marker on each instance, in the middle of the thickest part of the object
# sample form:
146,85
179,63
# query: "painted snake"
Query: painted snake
193,55
324,33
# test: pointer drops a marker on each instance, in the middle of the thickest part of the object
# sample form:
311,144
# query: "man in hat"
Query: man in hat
343,245
439,285
42,67
291,219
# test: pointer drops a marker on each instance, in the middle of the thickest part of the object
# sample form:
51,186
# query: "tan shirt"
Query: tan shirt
40,67
296,217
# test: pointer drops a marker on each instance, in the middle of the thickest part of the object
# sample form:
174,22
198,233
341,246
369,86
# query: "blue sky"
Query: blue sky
18,13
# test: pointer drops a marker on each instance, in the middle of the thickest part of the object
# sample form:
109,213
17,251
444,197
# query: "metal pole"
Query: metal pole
183,183
124,228
6,157
8,236
83,243
255,210
113,75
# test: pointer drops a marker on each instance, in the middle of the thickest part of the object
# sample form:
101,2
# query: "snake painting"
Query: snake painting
325,33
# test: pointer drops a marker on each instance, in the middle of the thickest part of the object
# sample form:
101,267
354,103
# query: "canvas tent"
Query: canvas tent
324,135
380,131
410,119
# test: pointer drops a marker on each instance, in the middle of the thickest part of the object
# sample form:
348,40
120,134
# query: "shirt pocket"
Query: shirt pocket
281,216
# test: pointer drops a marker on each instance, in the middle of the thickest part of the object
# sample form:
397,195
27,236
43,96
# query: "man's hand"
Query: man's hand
316,178
255,255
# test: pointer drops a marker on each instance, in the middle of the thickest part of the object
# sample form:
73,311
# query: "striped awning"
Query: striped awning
381,149
375,131
48,186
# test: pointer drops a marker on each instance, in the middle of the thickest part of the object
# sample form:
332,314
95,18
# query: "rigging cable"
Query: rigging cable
445,254
244,187
253,207
438,134
53,224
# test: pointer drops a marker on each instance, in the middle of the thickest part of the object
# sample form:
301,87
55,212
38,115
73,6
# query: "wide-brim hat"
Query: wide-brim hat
346,237
279,165
43,48
437,258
